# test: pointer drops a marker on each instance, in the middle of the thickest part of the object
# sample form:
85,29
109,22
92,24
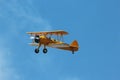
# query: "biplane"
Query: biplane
45,39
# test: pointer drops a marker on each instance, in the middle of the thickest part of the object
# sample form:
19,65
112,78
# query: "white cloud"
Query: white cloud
6,71
17,17
21,15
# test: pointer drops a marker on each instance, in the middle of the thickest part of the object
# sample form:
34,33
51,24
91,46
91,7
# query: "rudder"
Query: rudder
74,44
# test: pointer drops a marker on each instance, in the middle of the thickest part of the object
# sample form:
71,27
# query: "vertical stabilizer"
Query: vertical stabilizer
74,44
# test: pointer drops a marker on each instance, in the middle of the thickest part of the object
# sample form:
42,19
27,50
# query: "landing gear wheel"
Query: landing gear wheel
45,51
36,50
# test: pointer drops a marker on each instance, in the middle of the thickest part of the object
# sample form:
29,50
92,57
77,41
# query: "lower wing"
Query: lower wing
72,47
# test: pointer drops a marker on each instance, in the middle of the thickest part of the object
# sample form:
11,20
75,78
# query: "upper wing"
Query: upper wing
57,32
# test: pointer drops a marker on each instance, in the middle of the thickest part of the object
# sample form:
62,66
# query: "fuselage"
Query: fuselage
45,40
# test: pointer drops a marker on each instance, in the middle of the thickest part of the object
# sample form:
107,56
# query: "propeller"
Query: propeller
35,38
32,37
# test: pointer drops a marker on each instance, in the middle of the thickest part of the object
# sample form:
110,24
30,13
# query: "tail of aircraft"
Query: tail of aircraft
70,47
74,45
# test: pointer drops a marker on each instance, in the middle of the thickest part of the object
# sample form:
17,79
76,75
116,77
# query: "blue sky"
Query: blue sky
95,24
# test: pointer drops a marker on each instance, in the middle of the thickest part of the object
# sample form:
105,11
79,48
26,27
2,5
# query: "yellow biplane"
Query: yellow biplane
44,38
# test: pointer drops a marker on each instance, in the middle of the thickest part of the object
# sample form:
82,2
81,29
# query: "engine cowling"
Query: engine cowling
37,39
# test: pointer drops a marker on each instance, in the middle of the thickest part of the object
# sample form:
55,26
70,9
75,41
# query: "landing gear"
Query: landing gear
45,50
36,50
